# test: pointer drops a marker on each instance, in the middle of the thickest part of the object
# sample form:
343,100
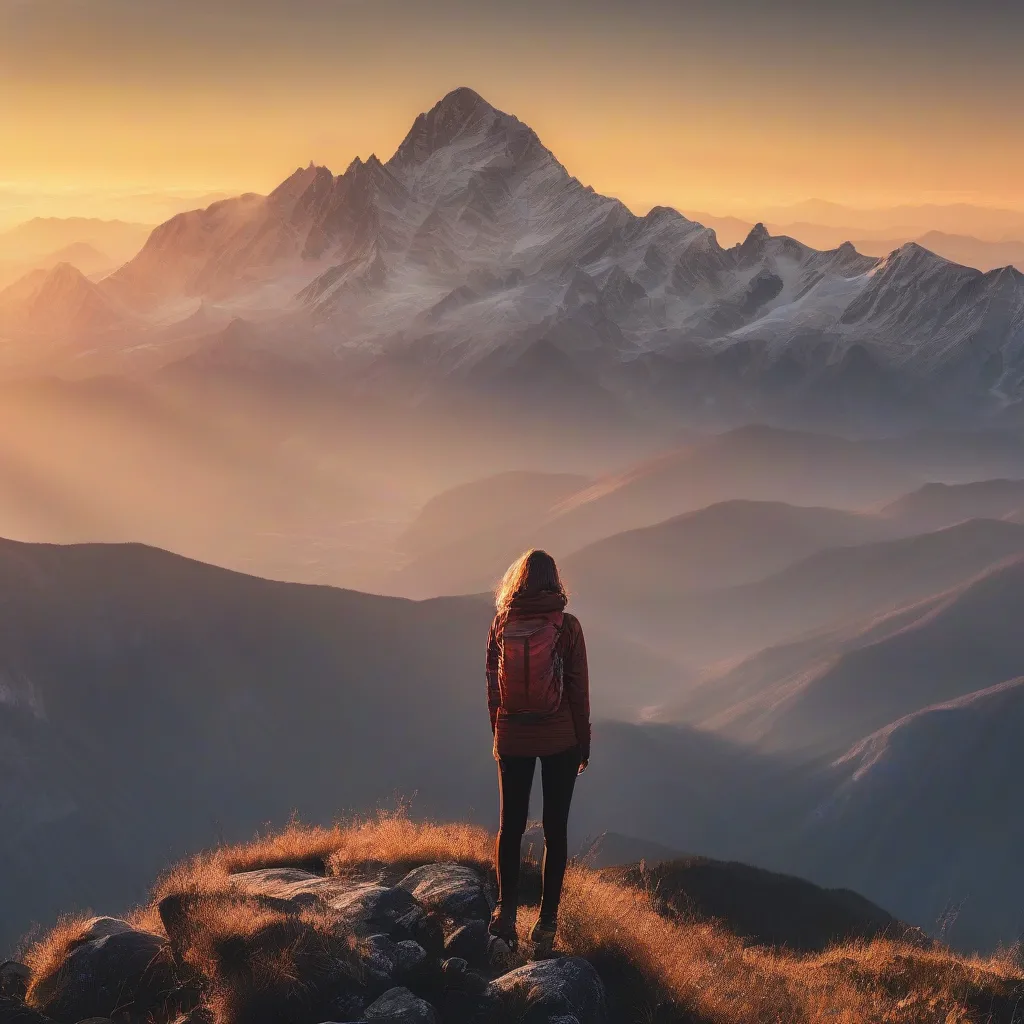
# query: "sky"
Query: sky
138,107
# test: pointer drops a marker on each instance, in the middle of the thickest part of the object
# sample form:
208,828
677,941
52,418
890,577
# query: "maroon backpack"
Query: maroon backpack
530,665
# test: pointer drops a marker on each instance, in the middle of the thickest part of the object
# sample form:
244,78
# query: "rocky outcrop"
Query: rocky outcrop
281,943
111,968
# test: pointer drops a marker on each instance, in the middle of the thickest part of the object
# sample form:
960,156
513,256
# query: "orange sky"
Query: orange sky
133,107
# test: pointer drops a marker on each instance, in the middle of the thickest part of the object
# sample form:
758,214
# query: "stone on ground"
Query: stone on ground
400,1006
453,890
566,986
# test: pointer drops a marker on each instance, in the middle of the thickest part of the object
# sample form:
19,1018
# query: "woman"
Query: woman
538,694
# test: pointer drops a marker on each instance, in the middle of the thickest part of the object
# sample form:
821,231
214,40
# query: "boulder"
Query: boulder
365,907
299,888
388,963
14,1011
566,986
470,942
14,979
450,889
459,978
400,1006
112,967
104,927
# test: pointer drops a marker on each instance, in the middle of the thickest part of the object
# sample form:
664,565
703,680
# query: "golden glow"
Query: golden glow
630,113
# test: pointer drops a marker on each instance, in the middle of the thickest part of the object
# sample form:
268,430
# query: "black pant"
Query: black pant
515,779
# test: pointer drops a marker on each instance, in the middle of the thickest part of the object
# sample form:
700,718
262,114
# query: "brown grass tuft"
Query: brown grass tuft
44,957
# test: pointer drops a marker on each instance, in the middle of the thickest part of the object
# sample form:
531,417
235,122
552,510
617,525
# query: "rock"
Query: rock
104,927
300,888
367,908
388,963
373,908
412,958
14,979
453,890
567,986
113,967
469,942
400,1006
14,1011
459,978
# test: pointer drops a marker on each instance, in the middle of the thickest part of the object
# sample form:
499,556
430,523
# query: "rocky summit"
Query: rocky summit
283,944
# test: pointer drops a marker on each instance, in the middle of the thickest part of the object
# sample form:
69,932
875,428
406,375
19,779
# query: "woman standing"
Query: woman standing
538,694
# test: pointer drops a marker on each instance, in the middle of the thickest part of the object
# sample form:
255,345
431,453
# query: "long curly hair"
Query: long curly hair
533,572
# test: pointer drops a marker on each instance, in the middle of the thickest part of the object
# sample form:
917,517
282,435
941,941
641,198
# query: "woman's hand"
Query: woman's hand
583,766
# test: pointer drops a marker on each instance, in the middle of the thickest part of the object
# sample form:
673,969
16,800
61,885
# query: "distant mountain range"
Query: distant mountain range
969,250
471,263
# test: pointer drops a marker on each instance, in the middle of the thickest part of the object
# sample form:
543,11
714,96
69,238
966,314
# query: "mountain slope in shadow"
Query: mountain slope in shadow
827,692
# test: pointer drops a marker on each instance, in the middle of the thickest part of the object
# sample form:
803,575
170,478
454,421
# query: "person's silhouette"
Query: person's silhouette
538,695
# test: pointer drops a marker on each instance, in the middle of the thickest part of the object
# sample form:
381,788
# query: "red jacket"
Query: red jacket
515,736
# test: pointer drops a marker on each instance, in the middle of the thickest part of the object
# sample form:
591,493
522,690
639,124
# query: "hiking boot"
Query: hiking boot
543,938
503,926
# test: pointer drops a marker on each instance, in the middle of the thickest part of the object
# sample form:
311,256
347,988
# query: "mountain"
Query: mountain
749,463
57,302
723,545
825,693
834,588
764,908
936,792
462,539
472,267
937,505
956,218
965,249
755,463
981,253
34,240
81,255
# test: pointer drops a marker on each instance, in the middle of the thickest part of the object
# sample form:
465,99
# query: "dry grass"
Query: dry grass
45,957
659,969
698,971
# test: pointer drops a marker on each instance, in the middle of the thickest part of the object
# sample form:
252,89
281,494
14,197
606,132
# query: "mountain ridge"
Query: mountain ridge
370,274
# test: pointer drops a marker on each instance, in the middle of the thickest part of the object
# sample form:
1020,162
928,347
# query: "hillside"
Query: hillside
829,691
937,791
384,917
834,588
937,504
762,907
463,539
723,545
59,301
